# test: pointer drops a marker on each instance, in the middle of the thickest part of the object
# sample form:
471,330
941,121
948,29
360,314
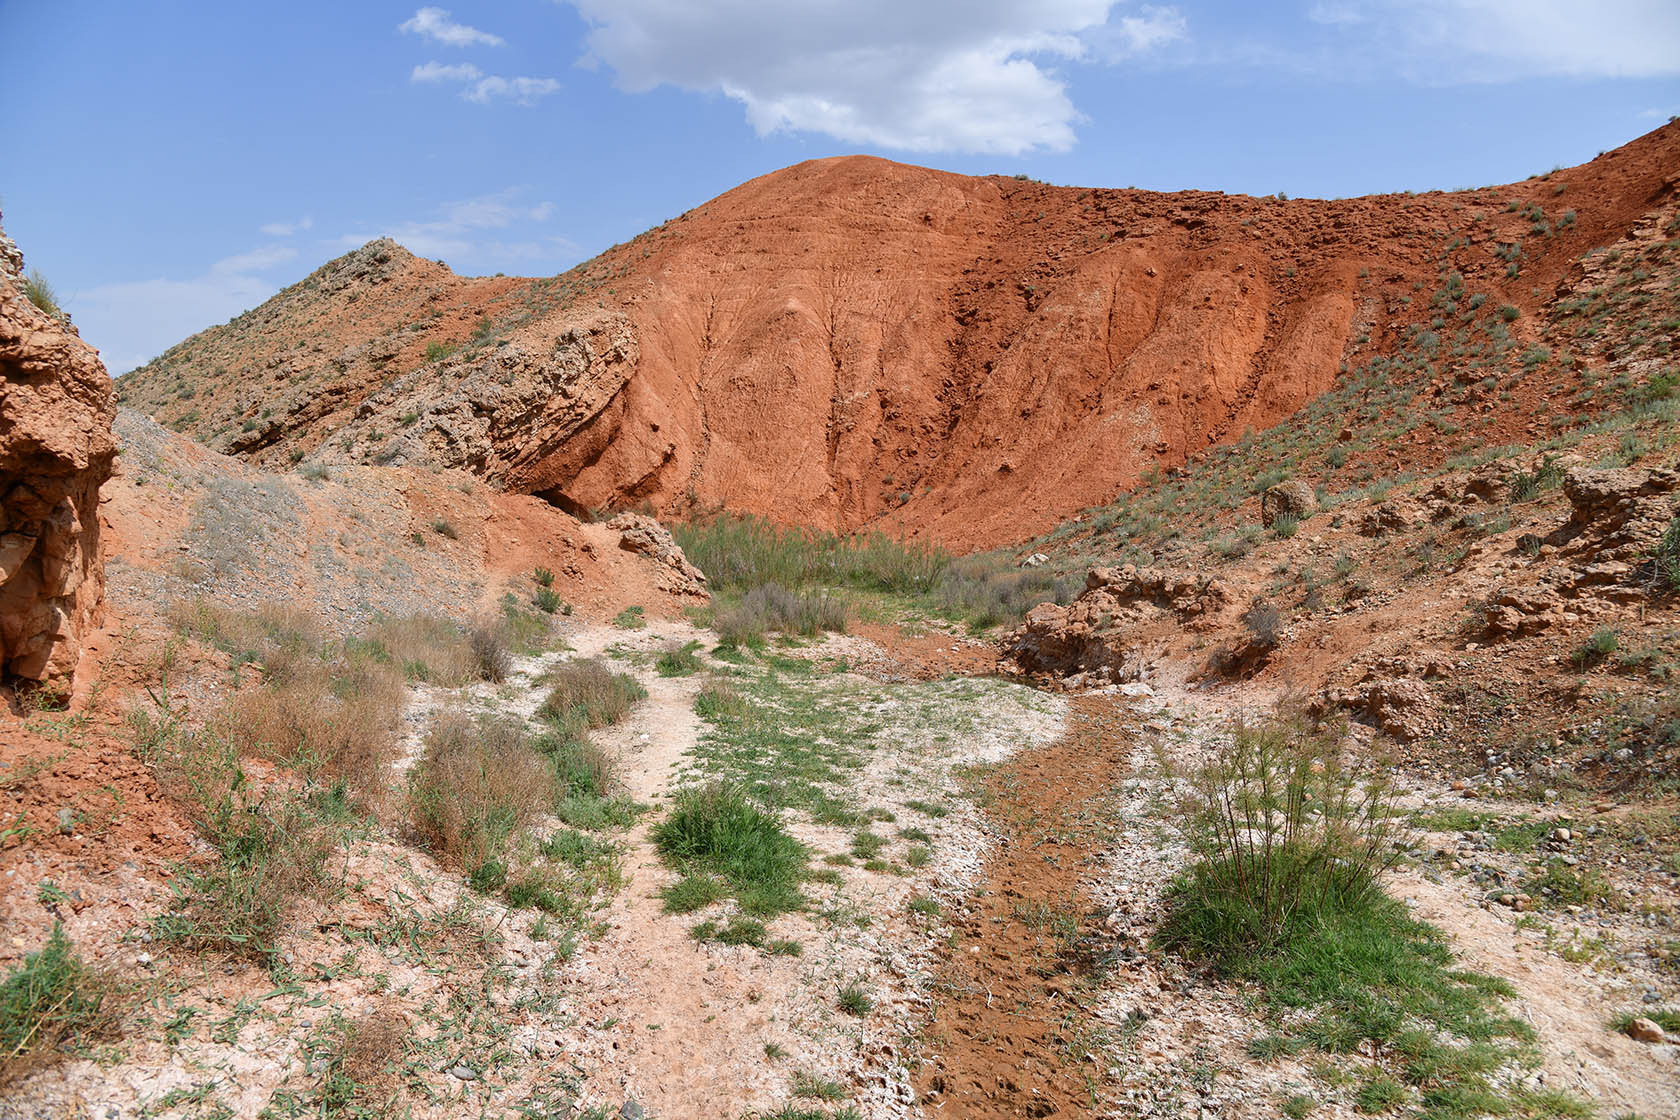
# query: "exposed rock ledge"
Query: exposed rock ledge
56,450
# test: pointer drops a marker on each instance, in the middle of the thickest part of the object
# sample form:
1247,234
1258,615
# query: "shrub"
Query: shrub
631,618
476,786
1595,649
1528,484
771,607
426,647
1263,623
492,661
678,661
41,294
271,844
544,577
741,553
443,527
437,351
1668,557
1281,830
52,998
588,692
329,709
547,600
1285,525
987,591
714,829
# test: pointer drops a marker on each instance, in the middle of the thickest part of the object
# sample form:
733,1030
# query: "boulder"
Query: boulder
56,450
1287,499
1645,1030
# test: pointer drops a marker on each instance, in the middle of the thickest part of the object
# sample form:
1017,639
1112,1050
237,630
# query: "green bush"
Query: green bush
50,999
678,661
589,694
477,786
1595,649
1668,557
1529,484
714,829
740,553
1280,829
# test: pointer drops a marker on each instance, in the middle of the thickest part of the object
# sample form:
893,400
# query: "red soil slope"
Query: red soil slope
852,342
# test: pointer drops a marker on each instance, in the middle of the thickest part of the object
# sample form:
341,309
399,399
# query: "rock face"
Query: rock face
1616,519
56,450
1620,514
1092,638
520,415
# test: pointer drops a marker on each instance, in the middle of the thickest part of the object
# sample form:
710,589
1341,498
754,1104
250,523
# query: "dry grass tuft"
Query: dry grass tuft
477,786
586,693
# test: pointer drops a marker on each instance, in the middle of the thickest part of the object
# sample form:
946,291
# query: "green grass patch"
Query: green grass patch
1284,895
49,1002
678,661
717,829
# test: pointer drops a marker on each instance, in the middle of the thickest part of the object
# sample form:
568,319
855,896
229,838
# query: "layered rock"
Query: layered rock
647,537
1603,552
521,415
56,450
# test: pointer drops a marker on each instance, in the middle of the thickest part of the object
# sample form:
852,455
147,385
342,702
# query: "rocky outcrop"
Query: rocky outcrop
1619,514
517,415
1603,552
1094,638
647,537
56,450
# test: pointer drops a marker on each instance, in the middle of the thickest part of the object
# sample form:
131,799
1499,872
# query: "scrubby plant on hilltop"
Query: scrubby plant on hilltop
39,292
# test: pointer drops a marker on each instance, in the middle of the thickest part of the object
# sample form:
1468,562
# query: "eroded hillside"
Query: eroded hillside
851,341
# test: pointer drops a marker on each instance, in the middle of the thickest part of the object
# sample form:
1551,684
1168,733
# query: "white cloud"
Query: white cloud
286,229
1504,40
435,24
256,260
444,72
483,89
521,91
133,322
928,75
1151,29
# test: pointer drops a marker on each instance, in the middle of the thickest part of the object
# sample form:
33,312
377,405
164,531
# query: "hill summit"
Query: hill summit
852,342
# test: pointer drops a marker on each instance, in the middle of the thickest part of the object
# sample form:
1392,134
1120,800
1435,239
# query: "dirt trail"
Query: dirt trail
1015,994
1565,1006
674,1023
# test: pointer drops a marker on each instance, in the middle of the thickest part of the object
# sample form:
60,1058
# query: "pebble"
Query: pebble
463,1073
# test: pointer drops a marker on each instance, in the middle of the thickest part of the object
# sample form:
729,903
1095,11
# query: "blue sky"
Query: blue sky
170,164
